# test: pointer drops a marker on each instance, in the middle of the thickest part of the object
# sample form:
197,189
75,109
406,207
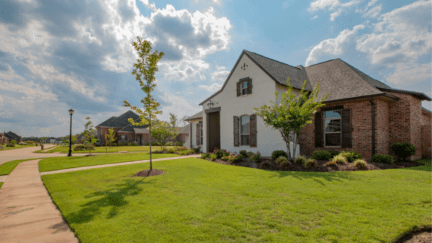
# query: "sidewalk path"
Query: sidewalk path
27,213
117,164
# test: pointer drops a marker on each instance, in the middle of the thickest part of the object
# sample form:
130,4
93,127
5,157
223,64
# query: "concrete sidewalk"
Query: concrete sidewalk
27,213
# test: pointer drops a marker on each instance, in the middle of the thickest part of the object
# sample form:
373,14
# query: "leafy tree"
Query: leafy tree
110,137
144,70
174,127
74,138
292,113
163,131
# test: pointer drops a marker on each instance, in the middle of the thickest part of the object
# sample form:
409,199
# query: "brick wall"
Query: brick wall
426,141
426,118
104,130
382,127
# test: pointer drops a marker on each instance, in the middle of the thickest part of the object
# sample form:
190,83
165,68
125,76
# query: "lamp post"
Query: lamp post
70,137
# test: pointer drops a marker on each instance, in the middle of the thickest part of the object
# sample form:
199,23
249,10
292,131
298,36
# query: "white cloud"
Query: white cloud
408,74
314,17
211,88
335,6
373,12
333,47
220,74
178,106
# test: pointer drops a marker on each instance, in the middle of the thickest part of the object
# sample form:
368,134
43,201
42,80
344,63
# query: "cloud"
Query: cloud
211,88
335,6
314,17
220,74
333,47
408,74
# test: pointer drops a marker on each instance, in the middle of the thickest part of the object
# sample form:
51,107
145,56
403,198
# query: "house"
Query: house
3,139
360,114
12,136
126,132
80,138
50,140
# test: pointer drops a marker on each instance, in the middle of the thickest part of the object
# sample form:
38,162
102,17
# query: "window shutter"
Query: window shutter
249,86
253,131
236,131
346,129
238,88
198,134
319,139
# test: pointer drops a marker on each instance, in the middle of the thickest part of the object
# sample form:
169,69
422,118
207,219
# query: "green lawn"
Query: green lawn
59,163
197,200
113,149
16,147
8,167
1,184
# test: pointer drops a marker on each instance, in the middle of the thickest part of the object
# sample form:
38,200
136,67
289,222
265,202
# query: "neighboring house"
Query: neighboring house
50,140
3,139
124,131
58,140
360,114
183,134
195,137
12,136
80,138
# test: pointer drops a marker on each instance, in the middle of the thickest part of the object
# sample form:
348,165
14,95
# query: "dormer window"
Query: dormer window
244,86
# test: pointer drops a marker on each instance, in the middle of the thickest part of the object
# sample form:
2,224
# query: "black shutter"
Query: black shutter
238,88
346,129
236,131
198,134
249,86
319,139
253,131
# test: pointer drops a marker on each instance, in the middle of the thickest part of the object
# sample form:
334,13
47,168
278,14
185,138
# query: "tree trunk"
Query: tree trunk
286,142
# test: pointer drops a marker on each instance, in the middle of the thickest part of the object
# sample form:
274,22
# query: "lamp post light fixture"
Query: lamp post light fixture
70,137
210,104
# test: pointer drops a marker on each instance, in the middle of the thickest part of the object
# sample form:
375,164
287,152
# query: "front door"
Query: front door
139,140
213,131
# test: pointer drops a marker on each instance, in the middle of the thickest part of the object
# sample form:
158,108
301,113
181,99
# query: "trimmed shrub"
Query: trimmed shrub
339,159
311,163
9,144
403,150
286,165
243,152
281,160
232,158
134,144
266,165
277,153
219,153
186,152
181,148
322,155
333,153
359,163
351,156
82,147
255,157
382,158
171,151
204,156
331,164
249,154
196,150
213,157
301,160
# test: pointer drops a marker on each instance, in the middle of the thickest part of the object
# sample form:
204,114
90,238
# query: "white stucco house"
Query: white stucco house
227,120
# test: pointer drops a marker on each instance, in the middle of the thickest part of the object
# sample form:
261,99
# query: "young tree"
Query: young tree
74,138
162,131
144,70
292,113
89,133
174,128
110,137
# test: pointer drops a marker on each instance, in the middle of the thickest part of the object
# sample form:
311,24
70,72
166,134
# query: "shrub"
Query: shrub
322,155
134,144
359,163
224,158
213,157
179,144
277,153
232,158
243,152
249,154
186,152
9,144
255,157
311,163
339,159
403,150
286,165
331,164
197,150
301,160
333,153
382,158
181,148
204,156
13,142
266,165
351,156
22,143
219,153
281,160
171,150
82,147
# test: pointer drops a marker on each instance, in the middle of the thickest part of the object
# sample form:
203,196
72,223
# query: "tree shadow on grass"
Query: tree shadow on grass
113,198
316,176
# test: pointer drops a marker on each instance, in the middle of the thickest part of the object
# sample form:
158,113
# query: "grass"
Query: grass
1,184
59,163
113,149
8,167
17,146
197,200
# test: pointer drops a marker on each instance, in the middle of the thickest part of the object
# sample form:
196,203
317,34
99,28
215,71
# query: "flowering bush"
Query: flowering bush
361,164
255,157
234,158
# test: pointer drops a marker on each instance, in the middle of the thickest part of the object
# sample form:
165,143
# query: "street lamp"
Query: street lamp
70,137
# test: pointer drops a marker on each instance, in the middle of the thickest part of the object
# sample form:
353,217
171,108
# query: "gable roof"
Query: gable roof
11,136
119,122
185,129
277,71
419,95
198,115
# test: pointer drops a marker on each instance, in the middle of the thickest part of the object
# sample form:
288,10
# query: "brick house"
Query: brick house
126,133
3,139
360,113
12,136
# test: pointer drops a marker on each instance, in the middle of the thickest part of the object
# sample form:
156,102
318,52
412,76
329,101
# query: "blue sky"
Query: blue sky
55,56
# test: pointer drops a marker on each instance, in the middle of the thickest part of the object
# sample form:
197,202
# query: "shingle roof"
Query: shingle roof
198,115
121,121
11,136
185,129
280,71
419,95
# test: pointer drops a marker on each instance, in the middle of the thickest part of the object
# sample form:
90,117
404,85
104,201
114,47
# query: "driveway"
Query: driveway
26,153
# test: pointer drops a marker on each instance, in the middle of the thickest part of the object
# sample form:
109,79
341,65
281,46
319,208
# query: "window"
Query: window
244,130
244,87
332,128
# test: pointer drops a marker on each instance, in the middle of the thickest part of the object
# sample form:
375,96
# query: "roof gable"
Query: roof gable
121,121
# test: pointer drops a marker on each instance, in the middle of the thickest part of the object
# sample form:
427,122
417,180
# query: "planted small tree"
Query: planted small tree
292,113
144,71
90,134
110,137
163,131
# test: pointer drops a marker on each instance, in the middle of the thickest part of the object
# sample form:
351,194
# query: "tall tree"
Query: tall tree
292,113
144,70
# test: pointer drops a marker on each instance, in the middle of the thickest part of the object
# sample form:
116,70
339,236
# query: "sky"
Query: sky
61,55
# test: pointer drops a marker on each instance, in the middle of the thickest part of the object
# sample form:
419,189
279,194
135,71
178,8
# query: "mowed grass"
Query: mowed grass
114,149
1,184
197,200
17,146
59,163
8,167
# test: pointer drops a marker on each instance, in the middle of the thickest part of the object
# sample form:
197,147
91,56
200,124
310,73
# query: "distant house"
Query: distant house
80,139
3,139
125,132
12,136
50,140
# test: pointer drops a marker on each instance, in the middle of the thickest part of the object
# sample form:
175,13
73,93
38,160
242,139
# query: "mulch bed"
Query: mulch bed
269,164
422,235
147,173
